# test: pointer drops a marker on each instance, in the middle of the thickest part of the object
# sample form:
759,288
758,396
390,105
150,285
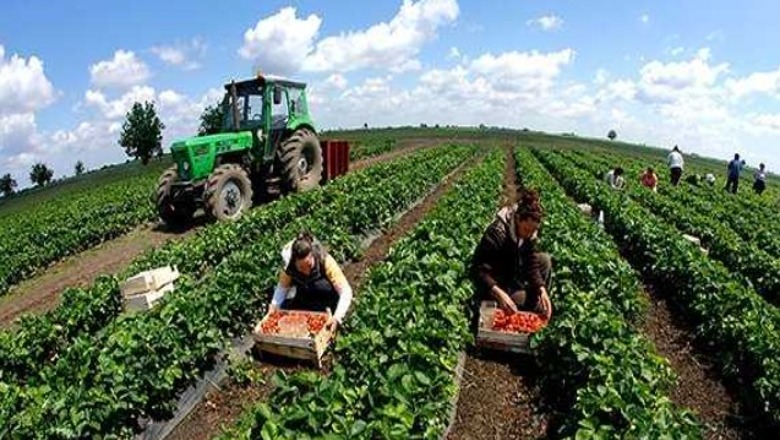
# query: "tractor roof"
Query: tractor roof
254,83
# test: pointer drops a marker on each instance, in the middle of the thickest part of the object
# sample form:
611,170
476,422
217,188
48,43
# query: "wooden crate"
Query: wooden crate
145,301
502,341
149,281
310,348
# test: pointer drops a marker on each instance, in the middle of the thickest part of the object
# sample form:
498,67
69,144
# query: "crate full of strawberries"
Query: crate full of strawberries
504,331
294,334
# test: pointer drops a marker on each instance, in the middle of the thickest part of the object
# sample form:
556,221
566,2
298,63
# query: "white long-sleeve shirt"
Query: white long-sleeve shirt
284,287
675,160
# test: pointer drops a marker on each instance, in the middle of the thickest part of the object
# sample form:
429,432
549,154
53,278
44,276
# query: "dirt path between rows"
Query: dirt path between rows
42,292
223,406
699,386
497,398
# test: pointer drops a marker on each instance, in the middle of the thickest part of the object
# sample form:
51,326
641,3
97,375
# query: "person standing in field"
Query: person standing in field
615,178
734,169
760,179
676,163
649,179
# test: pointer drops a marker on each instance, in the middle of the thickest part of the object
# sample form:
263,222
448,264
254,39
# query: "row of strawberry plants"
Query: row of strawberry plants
736,322
33,239
607,377
761,269
84,311
394,376
140,363
761,231
362,150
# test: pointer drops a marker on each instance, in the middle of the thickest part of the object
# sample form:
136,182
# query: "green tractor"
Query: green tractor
268,145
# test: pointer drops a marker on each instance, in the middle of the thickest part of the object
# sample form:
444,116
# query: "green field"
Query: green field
603,372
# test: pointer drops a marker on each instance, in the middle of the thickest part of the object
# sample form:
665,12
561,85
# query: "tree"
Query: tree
41,174
7,184
79,168
141,134
612,135
211,120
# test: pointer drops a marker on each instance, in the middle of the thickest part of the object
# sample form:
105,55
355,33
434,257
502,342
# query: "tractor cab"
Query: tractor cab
268,142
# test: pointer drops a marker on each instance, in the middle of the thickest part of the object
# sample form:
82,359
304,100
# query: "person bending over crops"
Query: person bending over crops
506,265
311,280
649,179
615,178
759,185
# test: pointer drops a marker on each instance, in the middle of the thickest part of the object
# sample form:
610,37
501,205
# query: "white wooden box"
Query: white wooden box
146,300
586,209
149,281
692,239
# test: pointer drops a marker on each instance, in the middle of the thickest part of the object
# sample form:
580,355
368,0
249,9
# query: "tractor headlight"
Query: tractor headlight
185,169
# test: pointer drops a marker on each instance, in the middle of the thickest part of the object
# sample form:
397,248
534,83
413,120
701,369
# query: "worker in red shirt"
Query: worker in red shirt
649,179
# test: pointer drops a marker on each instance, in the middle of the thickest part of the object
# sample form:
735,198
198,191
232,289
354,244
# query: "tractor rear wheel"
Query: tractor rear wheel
172,212
300,161
228,192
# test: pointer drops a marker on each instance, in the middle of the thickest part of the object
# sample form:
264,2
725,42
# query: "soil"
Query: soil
699,387
226,404
42,292
498,399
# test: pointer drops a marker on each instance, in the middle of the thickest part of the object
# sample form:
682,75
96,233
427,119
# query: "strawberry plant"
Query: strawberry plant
84,311
729,315
139,364
394,376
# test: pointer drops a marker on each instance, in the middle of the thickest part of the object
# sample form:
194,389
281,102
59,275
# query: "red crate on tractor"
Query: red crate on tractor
335,156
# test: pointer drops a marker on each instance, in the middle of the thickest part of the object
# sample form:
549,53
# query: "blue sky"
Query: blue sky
697,73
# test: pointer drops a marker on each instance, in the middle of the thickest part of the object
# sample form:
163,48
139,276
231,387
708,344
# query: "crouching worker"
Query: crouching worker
311,280
506,265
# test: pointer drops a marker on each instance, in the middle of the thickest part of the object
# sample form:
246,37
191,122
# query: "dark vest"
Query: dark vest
316,287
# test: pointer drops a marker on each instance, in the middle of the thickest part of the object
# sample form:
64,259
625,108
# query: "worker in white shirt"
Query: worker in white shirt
615,178
759,185
710,178
676,163
315,278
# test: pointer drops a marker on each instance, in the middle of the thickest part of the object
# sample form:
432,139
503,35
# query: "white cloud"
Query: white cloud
337,80
124,70
522,70
677,51
768,121
669,82
181,55
284,44
550,22
756,83
393,45
118,108
24,87
455,53
280,43
24,90
644,18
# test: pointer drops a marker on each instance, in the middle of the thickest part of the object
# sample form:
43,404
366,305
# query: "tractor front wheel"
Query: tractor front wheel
300,160
173,212
228,193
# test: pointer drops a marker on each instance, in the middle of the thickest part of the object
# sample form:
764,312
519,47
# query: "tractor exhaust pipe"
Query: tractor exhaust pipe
234,107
